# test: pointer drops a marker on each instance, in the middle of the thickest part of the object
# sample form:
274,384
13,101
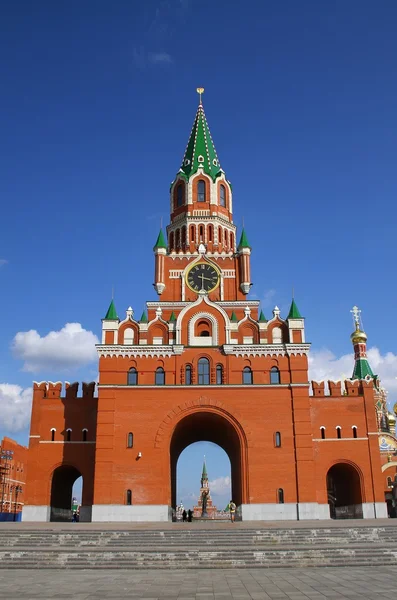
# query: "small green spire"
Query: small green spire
204,473
111,315
243,241
172,318
233,318
160,242
293,311
200,150
362,369
143,318
262,318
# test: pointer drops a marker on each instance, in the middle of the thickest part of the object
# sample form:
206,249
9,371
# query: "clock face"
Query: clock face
202,277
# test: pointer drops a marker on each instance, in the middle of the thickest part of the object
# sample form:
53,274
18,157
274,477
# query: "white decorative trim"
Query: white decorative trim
267,349
209,386
35,436
65,442
198,341
349,439
148,351
201,298
229,273
174,274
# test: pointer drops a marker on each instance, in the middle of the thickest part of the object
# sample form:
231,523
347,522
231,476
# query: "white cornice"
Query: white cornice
138,351
267,349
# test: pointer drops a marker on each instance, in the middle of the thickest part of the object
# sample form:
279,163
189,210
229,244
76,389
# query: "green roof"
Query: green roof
172,317
293,311
111,315
262,318
233,317
362,369
200,149
204,473
243,241
143,318
160,242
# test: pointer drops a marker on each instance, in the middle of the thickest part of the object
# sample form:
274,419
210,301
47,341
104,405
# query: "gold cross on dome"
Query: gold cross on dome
356,315
200,91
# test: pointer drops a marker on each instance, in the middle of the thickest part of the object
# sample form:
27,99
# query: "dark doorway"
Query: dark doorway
210,427
344,492
63,479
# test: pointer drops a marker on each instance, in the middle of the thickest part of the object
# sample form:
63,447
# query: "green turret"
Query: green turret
111,315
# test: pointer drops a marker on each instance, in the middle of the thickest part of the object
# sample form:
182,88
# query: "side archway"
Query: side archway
344,488
62,481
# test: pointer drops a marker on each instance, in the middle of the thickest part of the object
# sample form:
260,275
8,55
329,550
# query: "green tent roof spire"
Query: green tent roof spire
243,241
172,317
204,473
262,318
233,317
143,318
160,242
200,149
294,311
362,369
111,315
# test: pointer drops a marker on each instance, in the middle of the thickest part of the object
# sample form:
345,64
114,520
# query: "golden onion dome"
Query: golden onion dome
358,336
391,418
395,408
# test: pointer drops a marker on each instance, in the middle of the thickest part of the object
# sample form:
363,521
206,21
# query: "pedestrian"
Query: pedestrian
189,515
232,508
184,515
74,518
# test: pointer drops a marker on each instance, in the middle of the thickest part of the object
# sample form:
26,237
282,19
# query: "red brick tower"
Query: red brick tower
205,507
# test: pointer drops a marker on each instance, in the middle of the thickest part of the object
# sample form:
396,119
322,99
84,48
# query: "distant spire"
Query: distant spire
233,317
243,240
160,242
294,311
204,473
262,318
143,318
359,339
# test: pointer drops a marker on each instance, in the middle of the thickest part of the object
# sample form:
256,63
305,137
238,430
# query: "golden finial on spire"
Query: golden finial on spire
200,91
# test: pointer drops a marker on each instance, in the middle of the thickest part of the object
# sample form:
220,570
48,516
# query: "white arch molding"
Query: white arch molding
211,340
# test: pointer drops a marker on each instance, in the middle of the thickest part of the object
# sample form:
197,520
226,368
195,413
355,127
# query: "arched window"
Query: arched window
354,428
179,195
274,376
219,235
177,239
183,241
128,498
225,237
130,440
171,240
132,377
188,375
210,233
53,435
389,482
339,432
277,335
222,195
192,233
322,430
203,371
280,496
219,374
68,435
128,337
247,376
277,439
231,241
201,233
85,431
201,191
160,376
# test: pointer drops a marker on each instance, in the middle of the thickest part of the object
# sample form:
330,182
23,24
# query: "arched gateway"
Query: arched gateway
203,362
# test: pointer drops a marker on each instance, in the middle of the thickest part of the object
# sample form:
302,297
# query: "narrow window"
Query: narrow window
68,435
130,440
280,496
389,483
274,376
188,375
210,233
203,371
225,237
322,429
201,233
222,195
132,377
355,432
52,435
171,240
219,235
338,432
84,435
219,374
247,376
183,236
128,498
201,191
179,195
160,376
231,241
177,239
277,439
192,233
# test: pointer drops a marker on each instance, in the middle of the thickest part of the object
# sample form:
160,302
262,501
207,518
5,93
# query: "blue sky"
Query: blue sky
97,103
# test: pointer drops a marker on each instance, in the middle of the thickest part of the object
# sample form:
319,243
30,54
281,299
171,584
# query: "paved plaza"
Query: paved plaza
368,583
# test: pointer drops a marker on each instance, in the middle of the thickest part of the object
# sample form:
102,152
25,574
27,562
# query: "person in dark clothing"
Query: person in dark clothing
189,515
184,515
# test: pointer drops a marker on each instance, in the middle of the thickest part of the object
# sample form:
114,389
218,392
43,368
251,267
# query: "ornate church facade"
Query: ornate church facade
204,363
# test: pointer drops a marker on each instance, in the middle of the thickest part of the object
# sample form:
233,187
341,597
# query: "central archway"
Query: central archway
210,426
63,479
344,492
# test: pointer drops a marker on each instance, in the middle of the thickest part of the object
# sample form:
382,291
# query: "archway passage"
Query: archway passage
63,479
207,426
344,492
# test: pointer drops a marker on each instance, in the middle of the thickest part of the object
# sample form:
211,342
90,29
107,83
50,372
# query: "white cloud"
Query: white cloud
71,347
3,262
220,486
267,299
15,407
157,58
324,365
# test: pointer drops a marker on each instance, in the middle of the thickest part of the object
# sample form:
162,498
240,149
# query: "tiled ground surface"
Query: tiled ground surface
369,583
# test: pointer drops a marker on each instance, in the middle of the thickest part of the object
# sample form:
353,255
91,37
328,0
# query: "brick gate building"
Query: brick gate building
203,363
